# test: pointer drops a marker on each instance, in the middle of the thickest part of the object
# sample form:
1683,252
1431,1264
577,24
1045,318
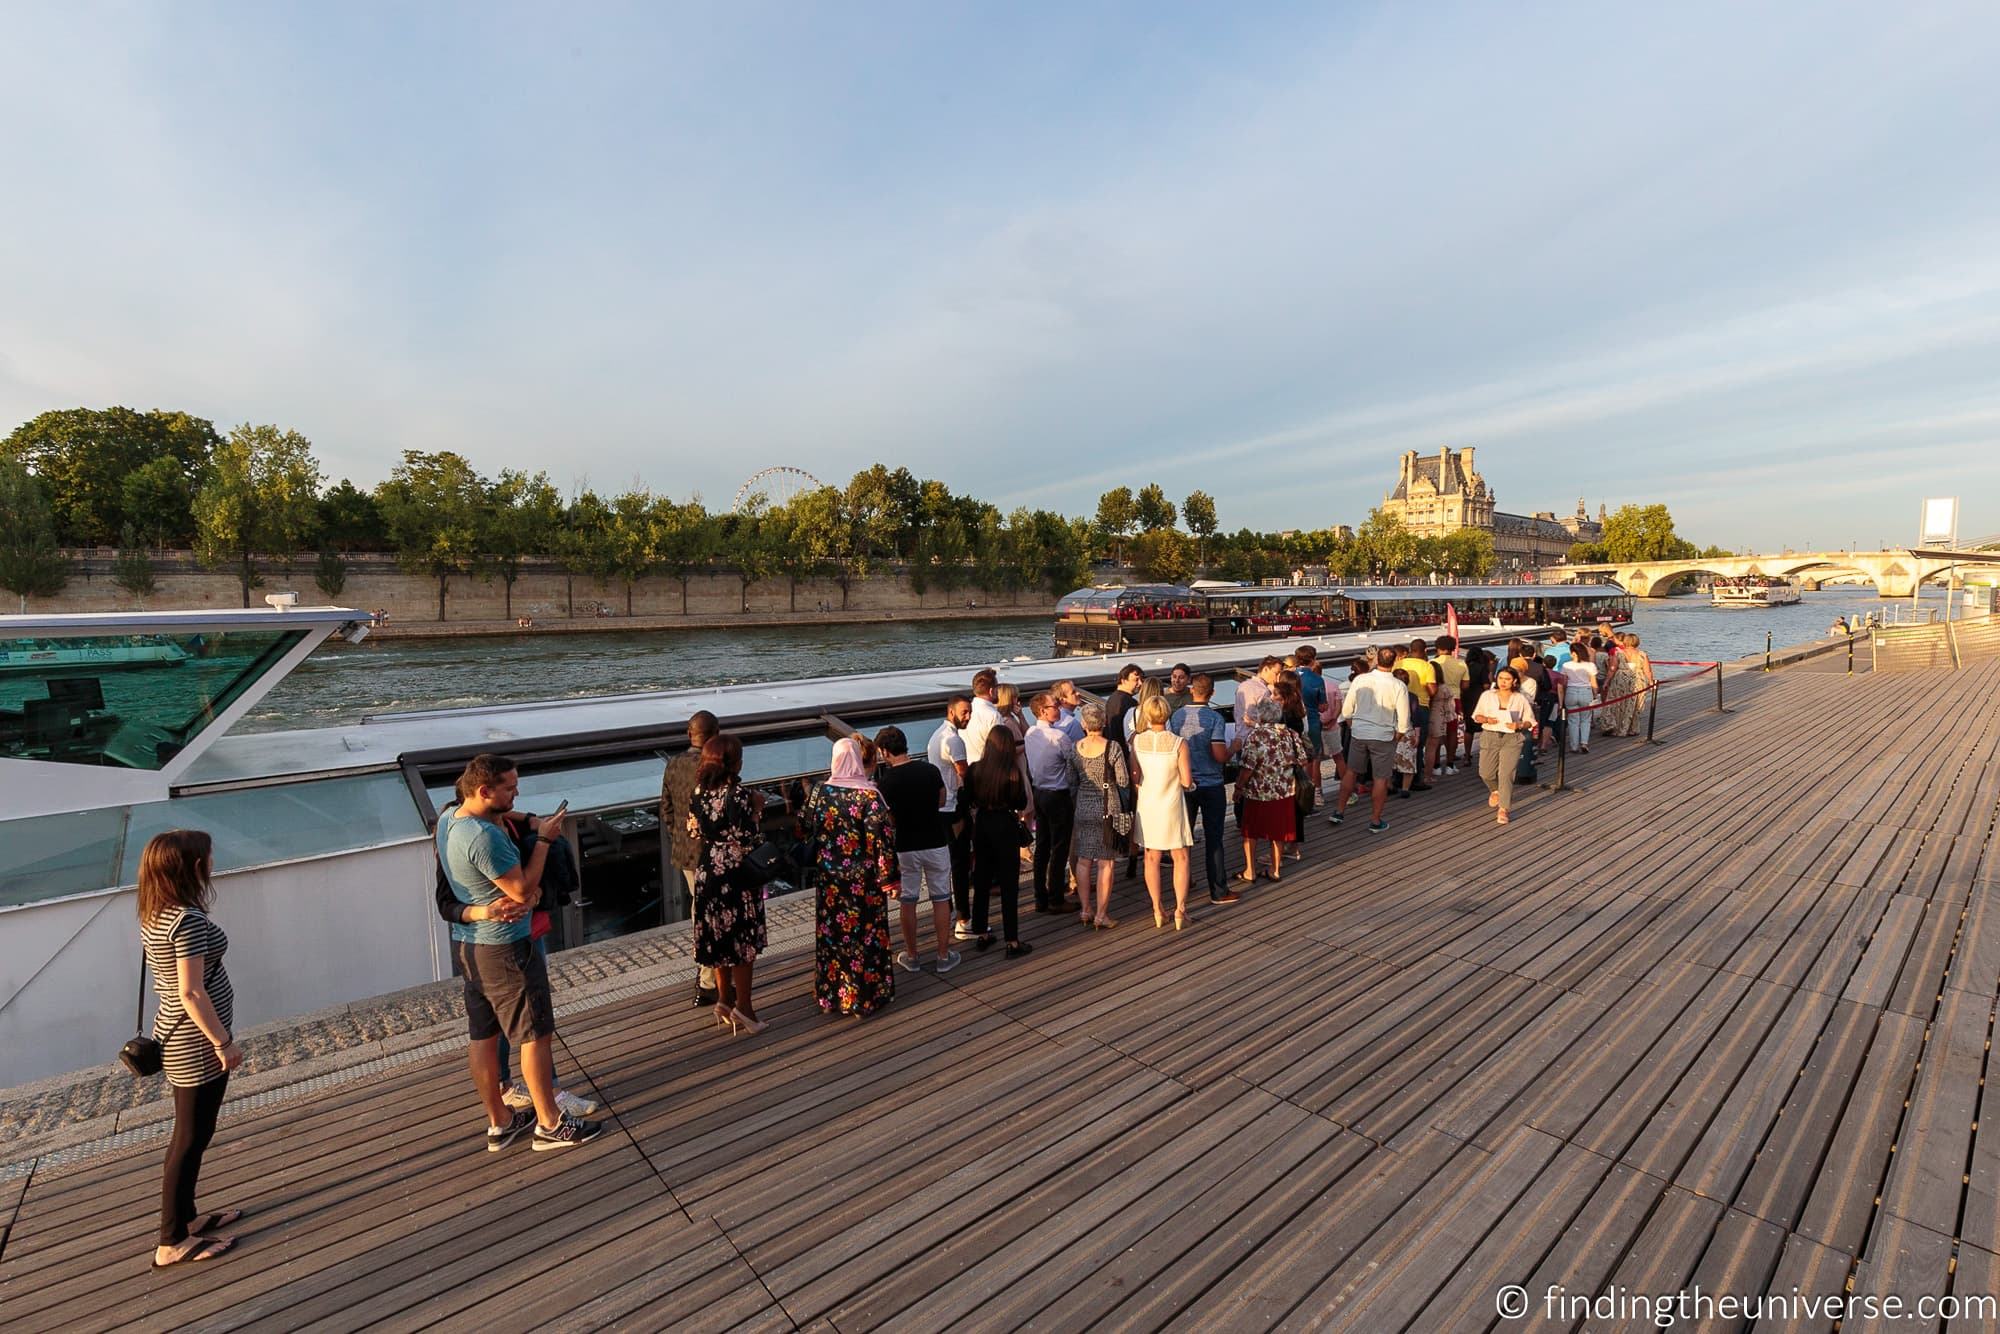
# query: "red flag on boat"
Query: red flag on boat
1451,620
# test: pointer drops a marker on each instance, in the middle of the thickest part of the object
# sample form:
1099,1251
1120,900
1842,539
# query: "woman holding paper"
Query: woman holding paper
1503,714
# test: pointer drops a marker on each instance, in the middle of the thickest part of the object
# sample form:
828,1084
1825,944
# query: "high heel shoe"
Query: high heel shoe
1181,920
725,1017
1159,920
743,1023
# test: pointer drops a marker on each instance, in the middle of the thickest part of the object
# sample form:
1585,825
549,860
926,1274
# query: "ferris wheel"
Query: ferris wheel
776,486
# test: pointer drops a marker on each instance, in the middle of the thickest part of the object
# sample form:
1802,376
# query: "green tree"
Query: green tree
634,539
520,519
1385,546
133,569
1152,509
689,538
752,543
434,507
330,573
1636,532
1163,556
31,565
880,505
83,458
1588,553
1198,513
350,520
584,544
1467,553
941,553
158,503
259,496
1116,513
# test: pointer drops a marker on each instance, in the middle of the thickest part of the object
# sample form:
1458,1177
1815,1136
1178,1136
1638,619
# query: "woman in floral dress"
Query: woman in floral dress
726,819
854,856
1269,754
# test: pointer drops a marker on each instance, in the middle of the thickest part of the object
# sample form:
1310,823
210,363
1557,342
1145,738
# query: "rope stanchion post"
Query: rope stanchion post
1850,653
1718,689
1652,713
1767,650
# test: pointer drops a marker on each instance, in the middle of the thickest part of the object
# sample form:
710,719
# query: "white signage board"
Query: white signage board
1940,523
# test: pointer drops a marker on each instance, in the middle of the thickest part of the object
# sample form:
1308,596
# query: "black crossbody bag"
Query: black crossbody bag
145,1055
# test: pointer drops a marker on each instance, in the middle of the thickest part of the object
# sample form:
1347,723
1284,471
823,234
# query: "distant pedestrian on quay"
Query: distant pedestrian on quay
727,821
1503,714
194,1026
849,828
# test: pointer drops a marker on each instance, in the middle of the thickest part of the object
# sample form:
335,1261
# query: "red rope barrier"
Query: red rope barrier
1706,668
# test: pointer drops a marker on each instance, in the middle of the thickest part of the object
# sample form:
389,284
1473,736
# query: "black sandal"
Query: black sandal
214,1221
984,942
1016,949
206,1249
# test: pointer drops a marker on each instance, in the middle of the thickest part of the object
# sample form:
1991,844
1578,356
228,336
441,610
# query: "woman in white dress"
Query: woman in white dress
1164,775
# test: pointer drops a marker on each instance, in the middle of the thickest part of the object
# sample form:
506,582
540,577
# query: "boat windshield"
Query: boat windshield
128,701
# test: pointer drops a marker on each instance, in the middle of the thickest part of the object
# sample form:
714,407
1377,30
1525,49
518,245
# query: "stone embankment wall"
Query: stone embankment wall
543,592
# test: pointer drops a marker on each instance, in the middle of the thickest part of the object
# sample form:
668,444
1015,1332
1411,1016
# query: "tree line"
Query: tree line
148,481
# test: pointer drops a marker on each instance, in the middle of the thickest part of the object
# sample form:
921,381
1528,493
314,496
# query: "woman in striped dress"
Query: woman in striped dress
184,949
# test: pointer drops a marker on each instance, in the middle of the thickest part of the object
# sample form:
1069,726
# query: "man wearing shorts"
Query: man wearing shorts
1377,709
916,797
1416,664
506,981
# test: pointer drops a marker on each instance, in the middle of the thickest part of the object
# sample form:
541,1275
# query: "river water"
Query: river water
341,682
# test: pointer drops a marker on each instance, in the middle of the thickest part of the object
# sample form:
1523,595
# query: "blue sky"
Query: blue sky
1743,259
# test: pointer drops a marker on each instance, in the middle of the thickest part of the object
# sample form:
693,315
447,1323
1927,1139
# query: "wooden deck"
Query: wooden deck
1719,1016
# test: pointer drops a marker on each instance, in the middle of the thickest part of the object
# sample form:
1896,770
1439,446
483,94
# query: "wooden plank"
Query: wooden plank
1842,1197
1814,1277
1926,1182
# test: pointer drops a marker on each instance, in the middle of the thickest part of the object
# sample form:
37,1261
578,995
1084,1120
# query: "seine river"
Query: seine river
341,682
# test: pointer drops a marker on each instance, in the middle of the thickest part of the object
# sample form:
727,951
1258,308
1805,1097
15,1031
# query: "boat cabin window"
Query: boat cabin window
51,856
130,701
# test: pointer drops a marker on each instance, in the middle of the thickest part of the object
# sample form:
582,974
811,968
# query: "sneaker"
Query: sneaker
499,1137
961,931
1226,896
1335,818
568,1134
909,962
576,1105
516,1096
1450,770
947,962
1378,827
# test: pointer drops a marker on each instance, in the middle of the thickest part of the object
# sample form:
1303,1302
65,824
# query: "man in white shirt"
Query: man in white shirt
947,751
985,716
1377,708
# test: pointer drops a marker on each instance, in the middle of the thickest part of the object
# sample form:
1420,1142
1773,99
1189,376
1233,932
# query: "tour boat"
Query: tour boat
1119,618
30,655
1753,591
323,854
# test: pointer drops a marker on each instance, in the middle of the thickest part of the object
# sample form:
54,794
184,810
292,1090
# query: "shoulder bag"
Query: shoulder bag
145,1055
759,867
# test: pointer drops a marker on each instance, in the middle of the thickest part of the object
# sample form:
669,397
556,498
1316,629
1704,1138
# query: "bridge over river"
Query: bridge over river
1895,573
1720,1016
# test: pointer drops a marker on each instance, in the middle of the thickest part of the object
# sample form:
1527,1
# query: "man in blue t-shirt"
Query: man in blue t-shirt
506,980
1203,730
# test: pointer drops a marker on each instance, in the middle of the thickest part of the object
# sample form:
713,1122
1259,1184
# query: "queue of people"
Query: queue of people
1072,785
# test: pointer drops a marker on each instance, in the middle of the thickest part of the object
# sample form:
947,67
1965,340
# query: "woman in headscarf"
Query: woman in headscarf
854,854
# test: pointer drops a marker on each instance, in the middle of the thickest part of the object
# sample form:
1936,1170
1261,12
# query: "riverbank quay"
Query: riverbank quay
1718,1015
751,620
